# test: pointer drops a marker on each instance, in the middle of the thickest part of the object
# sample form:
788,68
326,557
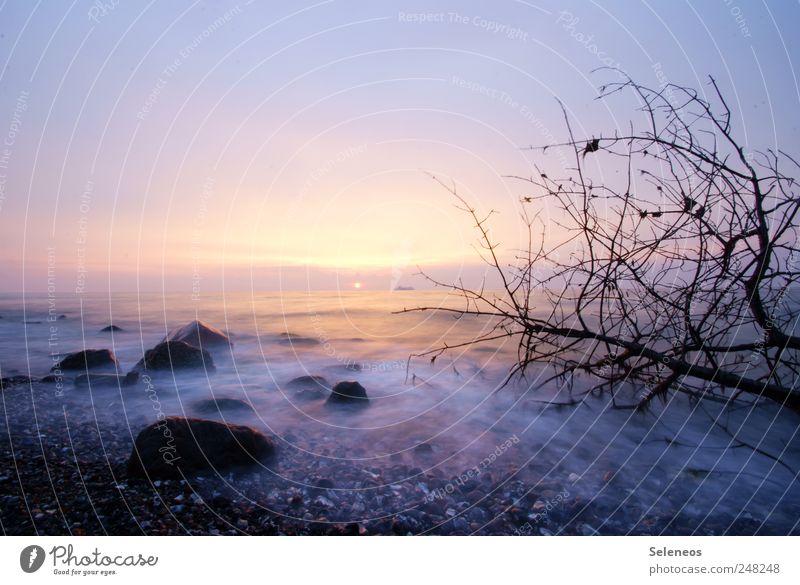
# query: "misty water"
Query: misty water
676,460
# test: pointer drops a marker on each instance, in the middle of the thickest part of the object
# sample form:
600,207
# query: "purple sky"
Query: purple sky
179,145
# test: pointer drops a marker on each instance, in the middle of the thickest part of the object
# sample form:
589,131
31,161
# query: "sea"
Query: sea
458,407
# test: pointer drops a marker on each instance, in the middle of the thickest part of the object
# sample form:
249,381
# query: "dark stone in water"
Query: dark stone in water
348,392
88,359
294,339
176,446
344,368
324,484
111,328
51,379
10,381
175,355
200,335
60,317
219,405
309,387
424,449
106,380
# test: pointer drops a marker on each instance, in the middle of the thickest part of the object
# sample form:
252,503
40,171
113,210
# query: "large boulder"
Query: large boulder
200,335
348,393
221,405
88,359
177,446
308,387
111,328
175,355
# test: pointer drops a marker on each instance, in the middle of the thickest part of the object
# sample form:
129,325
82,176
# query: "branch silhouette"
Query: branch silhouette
678,265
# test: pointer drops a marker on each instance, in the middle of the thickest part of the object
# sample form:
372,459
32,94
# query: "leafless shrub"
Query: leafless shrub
675,268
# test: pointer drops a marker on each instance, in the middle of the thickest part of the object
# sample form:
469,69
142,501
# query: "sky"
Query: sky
206,146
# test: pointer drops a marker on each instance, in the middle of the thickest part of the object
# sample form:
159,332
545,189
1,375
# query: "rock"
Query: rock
175,355
219,405
460,525
423,449
309,387
111,328
294,339
10,381
175,446
106,380
344,368
324,484
51,379
200,335
88,359
348,392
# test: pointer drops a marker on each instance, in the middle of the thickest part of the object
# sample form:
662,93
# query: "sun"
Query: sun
356,285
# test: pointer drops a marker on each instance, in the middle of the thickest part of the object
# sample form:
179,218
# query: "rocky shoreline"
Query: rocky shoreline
62,477
78,457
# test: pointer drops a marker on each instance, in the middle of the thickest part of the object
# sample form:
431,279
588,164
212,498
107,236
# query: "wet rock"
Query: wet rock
220,405
344,368
460,525
111,328
423,450
175,446
88,359
309,387
200,335
294,339
175,355
348,393
10,381
106,380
